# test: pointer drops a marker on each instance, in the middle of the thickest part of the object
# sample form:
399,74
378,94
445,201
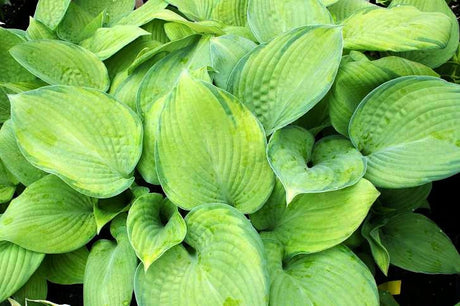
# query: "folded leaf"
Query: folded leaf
105,210
91,141
335,163
37,30
67,268
51,12
219,158
74,22
371,232
154,226
280,81
66,63
222,264
401,149
268,18
402,28
143,14
343,9
49,217
115,10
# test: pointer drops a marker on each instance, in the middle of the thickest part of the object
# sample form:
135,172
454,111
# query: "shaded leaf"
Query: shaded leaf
67,268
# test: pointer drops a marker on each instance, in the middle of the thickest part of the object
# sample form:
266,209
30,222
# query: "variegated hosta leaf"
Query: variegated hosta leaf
72,26
66,63
49,217
405,199
402,28
280,81
67,268
114,10
105,42
225,52
14,160
358,78
36,288
401,149
371,232
37,30
332,277
51,12
336,164
417,244
316,221
343,9
230,12
219,157
436,57
87,138
105,210
16,266
110,269
222,264
268,18
154,226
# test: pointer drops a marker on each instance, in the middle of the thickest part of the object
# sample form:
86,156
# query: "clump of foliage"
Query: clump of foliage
291,139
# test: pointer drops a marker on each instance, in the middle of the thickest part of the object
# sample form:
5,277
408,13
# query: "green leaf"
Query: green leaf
222,264
335,163
4,105
36,288
328,2
436,57
343,9
269,18
387,129
114,10
6,193
316,221
49,217
72,26
154,226
176,31
219,160
16,266
6,178
66,64
316,119
91,141
356,79
14,160
67,268
146,13
37,30
371,231
51,12
405,199
110,269
105,210
386,299
402,28
332,277
417,244
290,64
107,41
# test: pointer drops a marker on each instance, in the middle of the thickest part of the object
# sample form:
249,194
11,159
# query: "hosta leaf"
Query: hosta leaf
67,268
405,199
436,57
107,209
13,159
74,22
37,30
107,41
396,29
225,52
219,160
6,193
110,269
4,105
51,12
332,277
328,2
268,18
387,129
343,9
91,141
316,119
356,79
49,217
176,31
66,64
371,231
416,244
36,288
144,14
115,10
16,266
290,64
157,30
335,163
316,221
223,264
6,178
154,226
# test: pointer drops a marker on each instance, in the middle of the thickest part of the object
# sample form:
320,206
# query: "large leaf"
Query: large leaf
280,81
16,266
114,10
316,221
332,277
110,269
223,264
416,244
268,18
65,64
154,226
67,268
304,167
401,149
49,217
51,12
217,158
397,29
90,140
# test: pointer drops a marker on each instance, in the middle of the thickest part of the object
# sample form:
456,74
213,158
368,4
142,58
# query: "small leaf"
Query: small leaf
371,231
105,210
74,23
51,12
37,30
49,217
405,199
6,193
143,14
67,268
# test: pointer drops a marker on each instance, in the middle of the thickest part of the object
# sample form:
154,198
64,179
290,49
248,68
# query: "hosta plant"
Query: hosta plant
225,152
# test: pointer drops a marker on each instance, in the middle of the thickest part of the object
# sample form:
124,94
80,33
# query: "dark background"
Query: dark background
417,289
